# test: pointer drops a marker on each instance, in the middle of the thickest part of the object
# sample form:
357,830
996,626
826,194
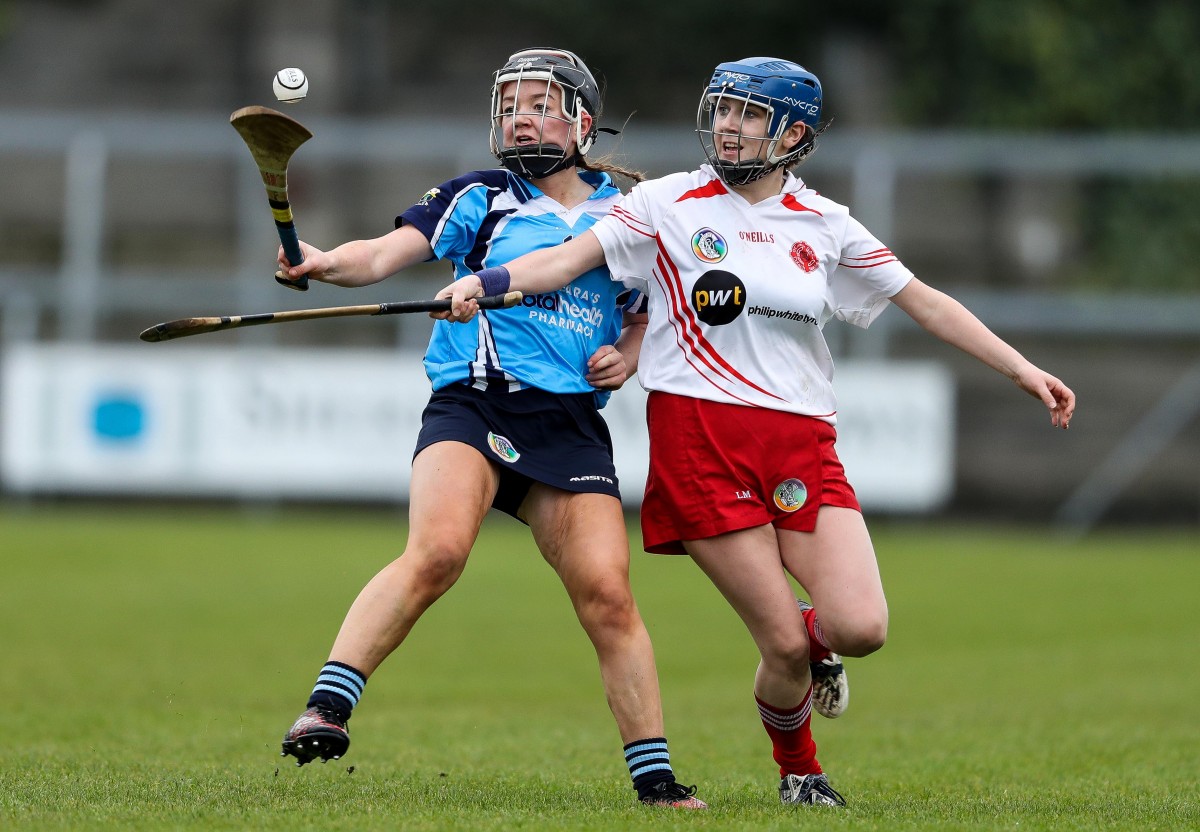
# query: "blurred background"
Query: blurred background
1037,159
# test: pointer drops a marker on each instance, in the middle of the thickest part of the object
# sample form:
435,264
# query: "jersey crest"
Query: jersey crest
709,246
804,256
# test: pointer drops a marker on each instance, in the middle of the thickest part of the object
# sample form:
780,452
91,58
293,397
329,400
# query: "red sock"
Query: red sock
818,649
791,736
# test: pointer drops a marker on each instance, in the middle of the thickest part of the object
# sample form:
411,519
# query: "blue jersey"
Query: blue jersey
487,218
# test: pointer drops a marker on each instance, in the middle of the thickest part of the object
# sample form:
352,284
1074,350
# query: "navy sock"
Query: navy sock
338,689
649,764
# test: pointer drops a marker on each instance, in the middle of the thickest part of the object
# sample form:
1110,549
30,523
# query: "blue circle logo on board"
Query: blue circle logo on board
118,418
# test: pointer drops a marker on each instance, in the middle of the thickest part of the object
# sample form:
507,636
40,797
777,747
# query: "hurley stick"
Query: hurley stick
272,138
198,326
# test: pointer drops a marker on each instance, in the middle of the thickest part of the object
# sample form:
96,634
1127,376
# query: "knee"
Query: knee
860,638
608,606
432,568
786,652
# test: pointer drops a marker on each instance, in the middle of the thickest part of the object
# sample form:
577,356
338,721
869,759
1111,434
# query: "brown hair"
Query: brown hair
606,164
810,139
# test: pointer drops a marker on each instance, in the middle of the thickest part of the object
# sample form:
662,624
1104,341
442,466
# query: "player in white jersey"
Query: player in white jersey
744,289
513,421
743,265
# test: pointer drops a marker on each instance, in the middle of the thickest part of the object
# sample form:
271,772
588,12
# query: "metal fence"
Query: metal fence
83,161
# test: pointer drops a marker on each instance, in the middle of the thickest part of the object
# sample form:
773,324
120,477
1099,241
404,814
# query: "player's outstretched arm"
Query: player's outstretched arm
361,262
544,270
943,316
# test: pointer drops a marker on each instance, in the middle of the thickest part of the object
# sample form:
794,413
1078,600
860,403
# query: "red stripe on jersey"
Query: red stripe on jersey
878,257
682,313
680,320
676,317
790,202
879,252
713,188
631,222
869,265
686,319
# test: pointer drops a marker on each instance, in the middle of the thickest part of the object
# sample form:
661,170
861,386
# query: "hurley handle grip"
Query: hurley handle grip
291,249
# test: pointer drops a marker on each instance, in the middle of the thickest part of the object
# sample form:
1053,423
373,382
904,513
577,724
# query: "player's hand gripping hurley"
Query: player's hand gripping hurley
272,138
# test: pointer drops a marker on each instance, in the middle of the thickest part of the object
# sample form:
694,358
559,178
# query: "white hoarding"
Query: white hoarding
341,424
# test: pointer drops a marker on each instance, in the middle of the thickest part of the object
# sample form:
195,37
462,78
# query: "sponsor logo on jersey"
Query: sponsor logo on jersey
756,236
718,297
784,314
804,256
429,195
709,246
502,447
790,495
563,305
561,310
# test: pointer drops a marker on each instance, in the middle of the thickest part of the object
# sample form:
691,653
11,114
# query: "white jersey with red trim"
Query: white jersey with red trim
739,292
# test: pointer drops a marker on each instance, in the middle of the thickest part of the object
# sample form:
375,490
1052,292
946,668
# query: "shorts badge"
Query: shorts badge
503,448
429,195
790,495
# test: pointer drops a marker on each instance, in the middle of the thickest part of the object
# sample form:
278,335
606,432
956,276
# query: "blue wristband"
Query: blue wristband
495,280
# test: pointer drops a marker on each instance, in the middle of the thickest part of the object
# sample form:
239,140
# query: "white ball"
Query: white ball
290,85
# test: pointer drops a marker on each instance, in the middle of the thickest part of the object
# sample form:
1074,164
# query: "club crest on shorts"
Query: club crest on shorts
709,246
804,256
429,195
503,448
790,495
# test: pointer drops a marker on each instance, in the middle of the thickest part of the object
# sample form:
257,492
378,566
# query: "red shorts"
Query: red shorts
718,468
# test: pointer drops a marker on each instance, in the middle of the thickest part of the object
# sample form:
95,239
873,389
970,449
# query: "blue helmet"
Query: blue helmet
789,93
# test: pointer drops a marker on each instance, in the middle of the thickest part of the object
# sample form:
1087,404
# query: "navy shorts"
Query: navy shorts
530,435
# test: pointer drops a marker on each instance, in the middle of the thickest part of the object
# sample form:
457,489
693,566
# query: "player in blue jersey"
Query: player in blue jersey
513,422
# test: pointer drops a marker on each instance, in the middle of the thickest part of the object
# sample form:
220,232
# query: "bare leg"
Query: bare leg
746,567
583,537
452,489
836,564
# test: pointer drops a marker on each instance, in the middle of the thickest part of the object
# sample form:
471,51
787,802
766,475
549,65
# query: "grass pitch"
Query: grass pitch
153,659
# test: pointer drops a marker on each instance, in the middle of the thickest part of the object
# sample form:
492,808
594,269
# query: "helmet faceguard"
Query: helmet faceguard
787,91
578,93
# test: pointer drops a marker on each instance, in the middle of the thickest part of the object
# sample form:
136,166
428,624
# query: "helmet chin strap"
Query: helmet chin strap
737,173
537,161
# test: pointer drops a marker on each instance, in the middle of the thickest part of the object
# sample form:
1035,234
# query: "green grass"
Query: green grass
152,660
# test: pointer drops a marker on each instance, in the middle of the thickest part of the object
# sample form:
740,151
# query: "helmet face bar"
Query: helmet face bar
578,93
787,91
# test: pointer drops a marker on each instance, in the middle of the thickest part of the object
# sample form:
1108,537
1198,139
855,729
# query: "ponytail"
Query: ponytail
606,164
